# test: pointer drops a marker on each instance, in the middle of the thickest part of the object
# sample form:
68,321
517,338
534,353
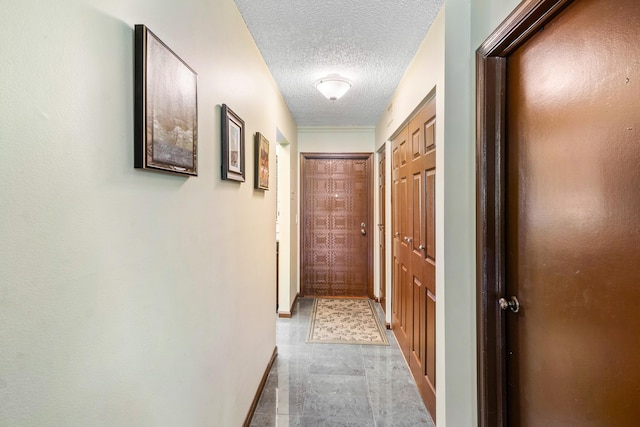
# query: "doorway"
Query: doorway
336,232
559,231
382,208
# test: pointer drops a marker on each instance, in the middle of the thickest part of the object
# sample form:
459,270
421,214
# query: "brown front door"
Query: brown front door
337,250
572,220
414,250
382,207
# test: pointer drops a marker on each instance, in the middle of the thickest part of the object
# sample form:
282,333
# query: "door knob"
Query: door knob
409,239
363,232
363,225
421,247
510,304
396,234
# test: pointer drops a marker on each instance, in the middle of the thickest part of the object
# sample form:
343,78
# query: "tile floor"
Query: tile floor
337,385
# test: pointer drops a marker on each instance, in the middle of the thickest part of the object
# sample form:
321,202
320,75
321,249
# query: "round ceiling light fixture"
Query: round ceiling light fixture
333,86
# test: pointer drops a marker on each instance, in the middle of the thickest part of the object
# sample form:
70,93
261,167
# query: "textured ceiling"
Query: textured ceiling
370,42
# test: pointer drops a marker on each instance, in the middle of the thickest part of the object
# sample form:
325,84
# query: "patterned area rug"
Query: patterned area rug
345,321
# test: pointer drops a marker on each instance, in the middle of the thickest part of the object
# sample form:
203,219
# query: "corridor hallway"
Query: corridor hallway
337,385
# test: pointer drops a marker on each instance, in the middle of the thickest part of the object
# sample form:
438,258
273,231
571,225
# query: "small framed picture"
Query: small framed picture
232,145
262,162
165,108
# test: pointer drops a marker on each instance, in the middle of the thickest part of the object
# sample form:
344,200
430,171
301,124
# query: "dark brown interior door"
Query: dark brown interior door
382,207
414,249
573,219
337,249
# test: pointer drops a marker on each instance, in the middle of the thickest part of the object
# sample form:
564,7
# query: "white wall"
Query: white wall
129,297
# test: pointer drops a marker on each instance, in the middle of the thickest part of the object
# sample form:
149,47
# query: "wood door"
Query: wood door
337,250
414,252
573,219
402,299
422,251
566,241
382,208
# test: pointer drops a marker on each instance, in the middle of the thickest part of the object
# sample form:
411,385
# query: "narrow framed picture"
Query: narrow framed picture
232,145
165,108
262,162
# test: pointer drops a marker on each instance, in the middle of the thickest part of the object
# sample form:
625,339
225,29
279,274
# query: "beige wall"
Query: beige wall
129,297
423,79
336,139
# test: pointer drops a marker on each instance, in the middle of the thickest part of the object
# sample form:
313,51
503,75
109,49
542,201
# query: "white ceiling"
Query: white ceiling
370,42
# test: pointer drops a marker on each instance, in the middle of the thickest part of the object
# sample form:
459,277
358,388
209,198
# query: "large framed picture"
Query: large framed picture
262,162
232,145
166,108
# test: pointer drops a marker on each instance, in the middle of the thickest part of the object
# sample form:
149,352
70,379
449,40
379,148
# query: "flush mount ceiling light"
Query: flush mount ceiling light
333,86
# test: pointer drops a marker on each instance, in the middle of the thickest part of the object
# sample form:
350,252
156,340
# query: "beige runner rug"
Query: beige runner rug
345,321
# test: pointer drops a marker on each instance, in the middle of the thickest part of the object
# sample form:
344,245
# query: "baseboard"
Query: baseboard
263,381
288,314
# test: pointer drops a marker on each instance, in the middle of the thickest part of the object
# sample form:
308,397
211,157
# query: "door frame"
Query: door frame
381,161
491,60
351,156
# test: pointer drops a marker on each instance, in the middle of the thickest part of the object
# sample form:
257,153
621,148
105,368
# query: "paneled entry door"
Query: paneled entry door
570,223
414,249
336,229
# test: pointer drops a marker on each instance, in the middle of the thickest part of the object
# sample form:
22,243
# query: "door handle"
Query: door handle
396,234
363,225
363,232
408,239
421,248
509,304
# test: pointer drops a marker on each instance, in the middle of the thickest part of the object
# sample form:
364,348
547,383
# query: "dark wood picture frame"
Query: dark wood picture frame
491,145
261,162
165,108
232,145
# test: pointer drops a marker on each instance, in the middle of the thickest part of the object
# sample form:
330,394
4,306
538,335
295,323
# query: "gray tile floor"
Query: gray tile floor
335,385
